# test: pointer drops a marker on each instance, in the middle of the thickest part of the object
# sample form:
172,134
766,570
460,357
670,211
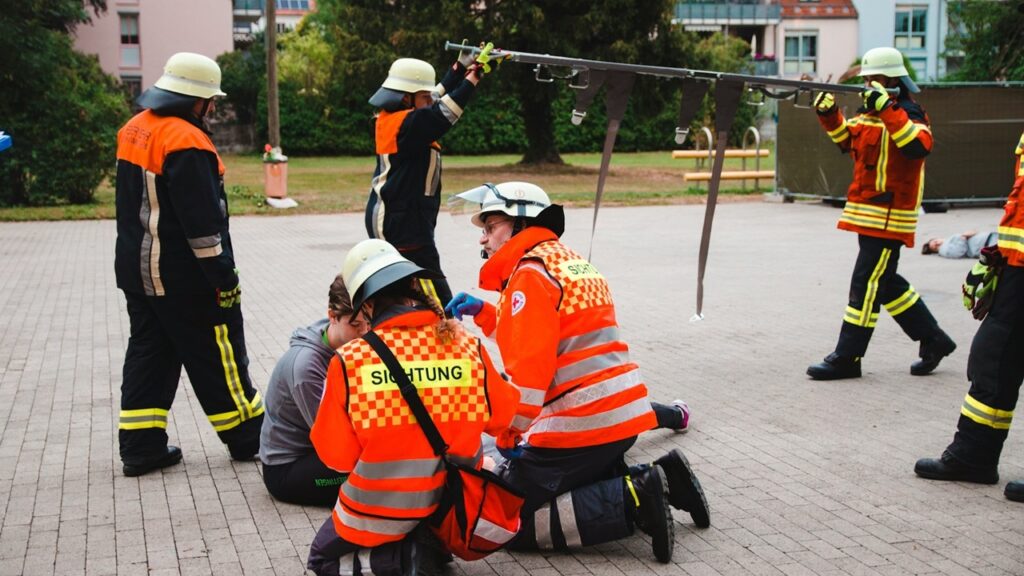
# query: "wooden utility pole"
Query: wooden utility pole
270,35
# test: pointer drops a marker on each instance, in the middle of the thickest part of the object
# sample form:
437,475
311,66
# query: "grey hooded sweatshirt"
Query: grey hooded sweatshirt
293,396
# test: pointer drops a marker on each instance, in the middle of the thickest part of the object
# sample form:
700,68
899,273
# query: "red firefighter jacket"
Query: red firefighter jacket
1011,227
364,426
888,149
560,343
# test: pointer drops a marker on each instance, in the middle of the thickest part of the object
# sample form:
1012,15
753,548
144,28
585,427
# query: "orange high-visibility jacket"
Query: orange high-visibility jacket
364,426
1011,227
888,149
560,344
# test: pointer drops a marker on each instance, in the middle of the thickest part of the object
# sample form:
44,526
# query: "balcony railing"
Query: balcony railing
257,5
728,11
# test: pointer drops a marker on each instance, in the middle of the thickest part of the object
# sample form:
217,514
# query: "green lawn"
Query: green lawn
340,184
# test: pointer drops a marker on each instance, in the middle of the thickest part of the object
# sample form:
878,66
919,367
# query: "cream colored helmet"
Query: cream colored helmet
372,265
516,199
191,74
406,76
886,61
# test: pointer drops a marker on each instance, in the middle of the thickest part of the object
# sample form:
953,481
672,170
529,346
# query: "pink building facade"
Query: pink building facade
134,38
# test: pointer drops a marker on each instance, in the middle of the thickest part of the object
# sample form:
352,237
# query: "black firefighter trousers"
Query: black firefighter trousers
875,283
191,330
574,496
996,370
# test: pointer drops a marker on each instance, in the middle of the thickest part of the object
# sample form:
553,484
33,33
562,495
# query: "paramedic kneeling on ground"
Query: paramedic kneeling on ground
365,428
583,402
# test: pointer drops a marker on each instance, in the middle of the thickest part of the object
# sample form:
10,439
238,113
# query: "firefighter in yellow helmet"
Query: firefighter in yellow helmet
888,140
405,194
175,264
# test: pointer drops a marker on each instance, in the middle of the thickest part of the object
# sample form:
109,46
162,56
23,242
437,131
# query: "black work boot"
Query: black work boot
932,351
654,516
138,467
1015,491
684,490
948,467
835,367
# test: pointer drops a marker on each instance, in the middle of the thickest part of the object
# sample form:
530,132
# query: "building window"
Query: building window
801,54
293,5
911,24
132,86
130,55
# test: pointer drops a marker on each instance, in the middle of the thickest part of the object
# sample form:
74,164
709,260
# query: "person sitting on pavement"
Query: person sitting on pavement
365,428
583,402
966,245
292,471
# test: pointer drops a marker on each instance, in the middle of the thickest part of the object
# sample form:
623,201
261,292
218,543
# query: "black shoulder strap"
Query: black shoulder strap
408,391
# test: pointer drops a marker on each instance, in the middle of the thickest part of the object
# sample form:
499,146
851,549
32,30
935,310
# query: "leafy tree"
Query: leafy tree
61,109
990,35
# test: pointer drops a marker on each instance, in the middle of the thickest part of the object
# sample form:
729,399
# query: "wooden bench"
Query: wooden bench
731,175
729,153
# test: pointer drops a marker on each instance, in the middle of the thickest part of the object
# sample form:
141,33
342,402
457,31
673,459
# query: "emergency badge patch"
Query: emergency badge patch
518,302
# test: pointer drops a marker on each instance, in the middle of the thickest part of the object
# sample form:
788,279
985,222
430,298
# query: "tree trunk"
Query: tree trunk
539,121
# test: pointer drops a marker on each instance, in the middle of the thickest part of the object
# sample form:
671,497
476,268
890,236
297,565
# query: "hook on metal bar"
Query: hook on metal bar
579,78
538,74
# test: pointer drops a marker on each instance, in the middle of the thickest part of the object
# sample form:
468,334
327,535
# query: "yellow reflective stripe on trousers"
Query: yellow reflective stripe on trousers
905,301
228,420
883,161
142,418
234,383
1011,238
986,415
865,315
853,316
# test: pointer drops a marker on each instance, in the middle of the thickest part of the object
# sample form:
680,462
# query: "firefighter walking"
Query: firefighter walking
583,402
888,140
175,264
994,292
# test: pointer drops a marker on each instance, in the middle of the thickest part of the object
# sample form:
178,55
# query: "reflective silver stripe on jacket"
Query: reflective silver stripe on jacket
591,365
206,247
469,462
450,108
593,393
377,217
398,469
392,498
375,525
590,339
634,409
531,396
149,255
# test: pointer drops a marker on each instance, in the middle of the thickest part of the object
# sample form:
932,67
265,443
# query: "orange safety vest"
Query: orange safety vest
560,342
148,138
1011,227
885,196
365,427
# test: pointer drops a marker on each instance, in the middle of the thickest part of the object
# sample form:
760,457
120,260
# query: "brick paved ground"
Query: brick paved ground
803,477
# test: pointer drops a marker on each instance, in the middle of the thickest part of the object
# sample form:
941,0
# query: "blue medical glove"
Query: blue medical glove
464,304
511,453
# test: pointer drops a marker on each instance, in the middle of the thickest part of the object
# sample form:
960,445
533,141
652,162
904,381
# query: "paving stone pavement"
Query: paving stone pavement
802,477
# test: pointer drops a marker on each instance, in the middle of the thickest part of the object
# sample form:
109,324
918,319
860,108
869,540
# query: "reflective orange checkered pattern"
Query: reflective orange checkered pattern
578,293
369,408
